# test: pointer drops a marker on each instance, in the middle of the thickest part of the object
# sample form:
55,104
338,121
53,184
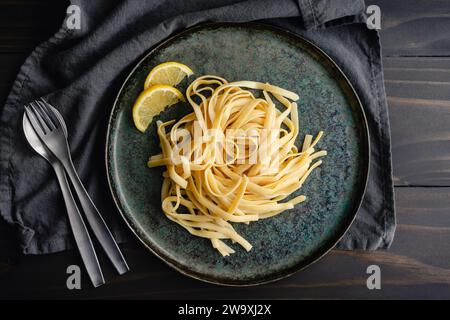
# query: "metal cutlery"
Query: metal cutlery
49,128
79,230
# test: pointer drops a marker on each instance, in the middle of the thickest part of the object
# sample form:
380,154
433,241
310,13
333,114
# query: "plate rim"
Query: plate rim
275,276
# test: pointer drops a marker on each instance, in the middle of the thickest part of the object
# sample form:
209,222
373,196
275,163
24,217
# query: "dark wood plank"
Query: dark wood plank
417,266
418,89
440,63
414,28
9,248
9,67
434,75
24,24
4,91
408,27
420,143
419,110
419,106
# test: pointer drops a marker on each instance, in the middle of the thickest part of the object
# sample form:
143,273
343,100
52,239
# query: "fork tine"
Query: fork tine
34,121
51,113
45,101
39,117
45,114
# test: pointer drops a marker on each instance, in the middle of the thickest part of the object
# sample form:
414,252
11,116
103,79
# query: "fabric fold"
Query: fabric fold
81,72
317,14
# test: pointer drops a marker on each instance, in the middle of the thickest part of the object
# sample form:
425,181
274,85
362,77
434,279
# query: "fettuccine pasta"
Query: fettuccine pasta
234,159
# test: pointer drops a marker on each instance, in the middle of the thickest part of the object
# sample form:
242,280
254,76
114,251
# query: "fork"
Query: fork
49,129
79,230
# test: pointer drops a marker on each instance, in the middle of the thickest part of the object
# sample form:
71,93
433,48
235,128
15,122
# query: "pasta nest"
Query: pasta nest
233,159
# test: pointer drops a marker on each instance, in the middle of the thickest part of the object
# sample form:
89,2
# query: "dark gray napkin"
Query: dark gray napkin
81,72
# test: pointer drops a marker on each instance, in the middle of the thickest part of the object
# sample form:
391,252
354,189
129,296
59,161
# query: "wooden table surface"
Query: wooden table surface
416,50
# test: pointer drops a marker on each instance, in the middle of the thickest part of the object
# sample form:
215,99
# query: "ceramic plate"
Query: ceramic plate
282,244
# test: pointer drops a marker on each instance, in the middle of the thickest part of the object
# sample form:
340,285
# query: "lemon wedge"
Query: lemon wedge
153,101
170,73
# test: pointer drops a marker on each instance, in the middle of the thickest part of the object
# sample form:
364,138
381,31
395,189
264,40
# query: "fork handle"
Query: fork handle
79,230
95,220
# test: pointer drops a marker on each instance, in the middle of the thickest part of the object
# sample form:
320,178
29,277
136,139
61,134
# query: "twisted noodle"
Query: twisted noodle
209,187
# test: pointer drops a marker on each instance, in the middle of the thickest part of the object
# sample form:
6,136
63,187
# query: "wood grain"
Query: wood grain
409,27
414,28
415,267
418,90
438,74
24,24
423,63
419,111
9,67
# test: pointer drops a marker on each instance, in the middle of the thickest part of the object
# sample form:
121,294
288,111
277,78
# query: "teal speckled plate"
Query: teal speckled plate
282,244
